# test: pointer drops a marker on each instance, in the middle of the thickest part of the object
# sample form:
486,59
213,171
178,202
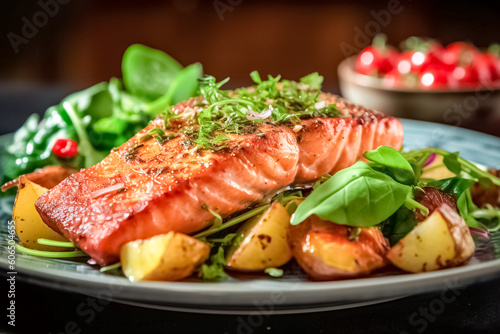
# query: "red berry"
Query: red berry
65,148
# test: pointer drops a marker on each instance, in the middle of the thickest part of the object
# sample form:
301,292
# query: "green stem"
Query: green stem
40,253
234,100
485,214
55,243
110,267
410,203
91,155
427,169
234,221
494,229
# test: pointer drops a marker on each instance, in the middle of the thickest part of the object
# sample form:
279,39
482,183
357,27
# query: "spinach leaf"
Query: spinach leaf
453,185
94,101
147,72
389,161
451,162
356,196
399,225
32,144
181,88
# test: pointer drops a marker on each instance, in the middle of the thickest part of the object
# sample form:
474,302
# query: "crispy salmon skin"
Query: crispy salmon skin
146,188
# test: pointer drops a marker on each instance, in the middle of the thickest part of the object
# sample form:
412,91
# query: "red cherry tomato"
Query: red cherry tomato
459,54
376,61
65,148
392,79
488,66
417,61
436,77
466,75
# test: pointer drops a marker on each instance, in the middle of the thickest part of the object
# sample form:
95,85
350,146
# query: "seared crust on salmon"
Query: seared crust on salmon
148,188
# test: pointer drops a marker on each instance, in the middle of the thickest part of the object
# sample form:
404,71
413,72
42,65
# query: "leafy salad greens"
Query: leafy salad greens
381,192
103,116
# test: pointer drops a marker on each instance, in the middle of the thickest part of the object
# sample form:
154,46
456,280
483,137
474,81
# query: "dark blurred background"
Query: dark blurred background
81,42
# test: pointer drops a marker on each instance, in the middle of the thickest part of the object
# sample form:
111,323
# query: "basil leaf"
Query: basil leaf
453,185
451,162
389,161
356,196
148,72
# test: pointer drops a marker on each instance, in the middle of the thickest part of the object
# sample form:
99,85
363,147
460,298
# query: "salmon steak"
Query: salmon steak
159,181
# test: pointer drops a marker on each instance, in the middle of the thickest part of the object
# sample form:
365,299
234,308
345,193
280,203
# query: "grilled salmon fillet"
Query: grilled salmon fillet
143,189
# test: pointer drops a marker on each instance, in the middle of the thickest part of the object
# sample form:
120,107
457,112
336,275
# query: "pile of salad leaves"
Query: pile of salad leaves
103,116
381,192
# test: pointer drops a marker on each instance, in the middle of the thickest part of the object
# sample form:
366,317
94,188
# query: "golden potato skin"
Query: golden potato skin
442,240
29,225
328,251
166,257
262,242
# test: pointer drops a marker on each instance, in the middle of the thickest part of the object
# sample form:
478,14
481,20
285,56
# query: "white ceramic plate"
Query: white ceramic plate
292,293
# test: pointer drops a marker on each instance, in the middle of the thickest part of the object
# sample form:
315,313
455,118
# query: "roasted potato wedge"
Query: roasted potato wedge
436,170
29,225
328,251
442,240
166,257
262,242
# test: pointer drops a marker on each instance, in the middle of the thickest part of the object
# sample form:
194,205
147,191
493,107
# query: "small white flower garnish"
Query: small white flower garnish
320,105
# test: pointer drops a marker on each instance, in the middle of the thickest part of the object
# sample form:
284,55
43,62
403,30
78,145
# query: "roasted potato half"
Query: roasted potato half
328,251
436,170
442,240
166,257
262,242
29,225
